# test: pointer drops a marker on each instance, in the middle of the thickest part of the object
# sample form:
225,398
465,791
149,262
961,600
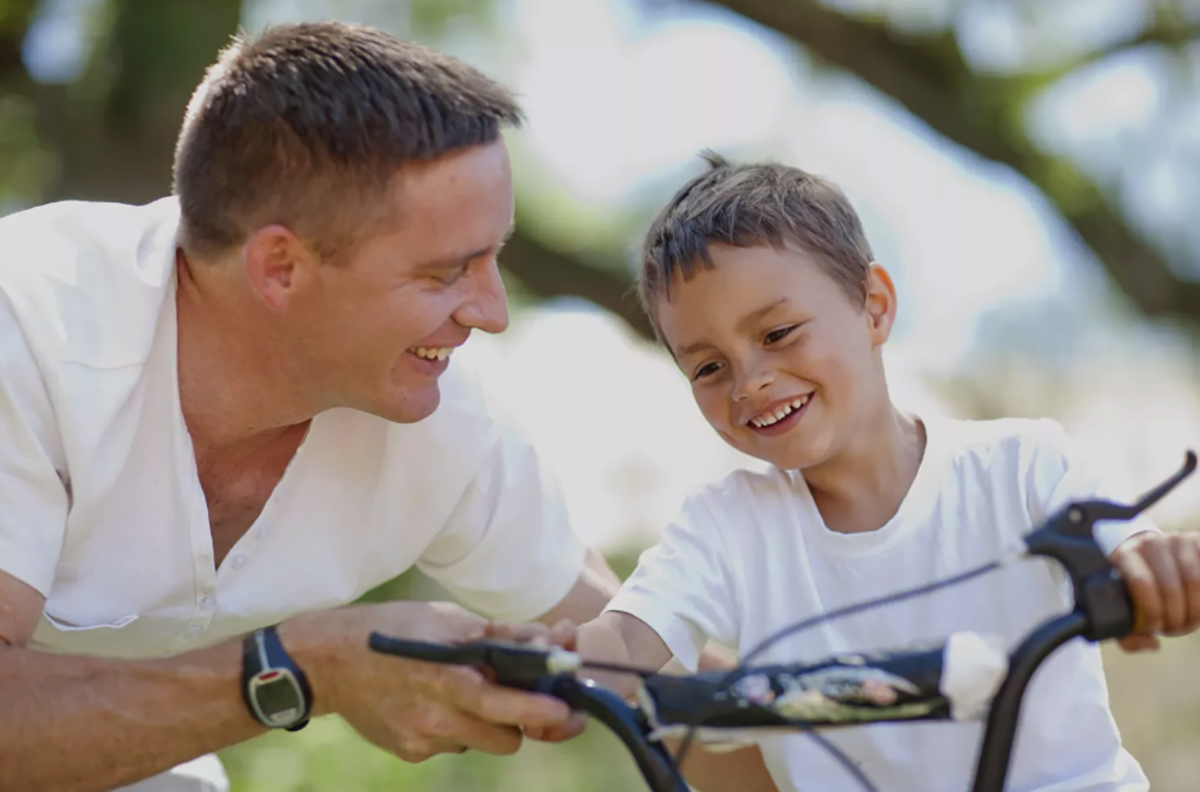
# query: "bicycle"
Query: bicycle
952,680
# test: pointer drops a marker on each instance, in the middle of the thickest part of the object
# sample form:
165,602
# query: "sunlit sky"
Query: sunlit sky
620,99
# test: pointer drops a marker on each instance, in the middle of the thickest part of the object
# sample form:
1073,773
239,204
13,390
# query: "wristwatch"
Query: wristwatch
275,689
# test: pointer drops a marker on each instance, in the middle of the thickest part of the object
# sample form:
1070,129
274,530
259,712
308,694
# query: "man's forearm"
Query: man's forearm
77,724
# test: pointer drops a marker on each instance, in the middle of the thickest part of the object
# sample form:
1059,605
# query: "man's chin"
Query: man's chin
409,406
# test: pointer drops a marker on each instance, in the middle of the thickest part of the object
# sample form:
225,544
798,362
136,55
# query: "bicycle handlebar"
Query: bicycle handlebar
955,680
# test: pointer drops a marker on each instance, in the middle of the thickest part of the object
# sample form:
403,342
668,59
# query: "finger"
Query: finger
1188,559
564,634
1160,555
444,729
1139,642
501,705
573,728
520,633
1140,580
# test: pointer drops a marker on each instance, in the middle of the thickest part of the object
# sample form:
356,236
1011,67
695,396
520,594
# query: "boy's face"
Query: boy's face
782,363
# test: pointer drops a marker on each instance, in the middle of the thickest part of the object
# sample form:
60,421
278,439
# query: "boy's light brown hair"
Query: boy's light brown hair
752,206
307,124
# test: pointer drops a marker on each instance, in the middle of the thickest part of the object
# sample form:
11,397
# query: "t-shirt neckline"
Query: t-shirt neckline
912,512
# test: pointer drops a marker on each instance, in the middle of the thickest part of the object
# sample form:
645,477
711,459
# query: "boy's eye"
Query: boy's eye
775,336
705,370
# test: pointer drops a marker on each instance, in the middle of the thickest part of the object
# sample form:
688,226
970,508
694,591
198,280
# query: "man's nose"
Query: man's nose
486,305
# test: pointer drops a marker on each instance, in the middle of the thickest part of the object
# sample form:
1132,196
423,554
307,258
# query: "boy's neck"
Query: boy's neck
863,487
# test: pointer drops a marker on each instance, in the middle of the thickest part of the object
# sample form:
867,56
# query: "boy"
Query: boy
761,284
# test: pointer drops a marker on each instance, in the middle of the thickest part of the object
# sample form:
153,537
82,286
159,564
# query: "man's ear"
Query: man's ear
880,304
278,263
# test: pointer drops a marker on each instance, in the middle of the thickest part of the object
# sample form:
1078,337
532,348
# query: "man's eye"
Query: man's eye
706,370
775,336
451,278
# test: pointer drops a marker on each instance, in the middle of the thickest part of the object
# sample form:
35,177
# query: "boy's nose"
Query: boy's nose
746,387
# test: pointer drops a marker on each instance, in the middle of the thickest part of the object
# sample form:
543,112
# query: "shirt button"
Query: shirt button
239,561
207,601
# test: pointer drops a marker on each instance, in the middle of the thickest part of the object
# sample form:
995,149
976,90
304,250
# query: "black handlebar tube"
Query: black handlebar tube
629,725
995,752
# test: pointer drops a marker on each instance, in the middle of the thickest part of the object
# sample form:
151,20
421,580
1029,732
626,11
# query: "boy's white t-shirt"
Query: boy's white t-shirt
752,554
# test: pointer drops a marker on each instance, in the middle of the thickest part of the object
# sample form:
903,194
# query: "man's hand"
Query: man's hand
415,709
1163,575
563,634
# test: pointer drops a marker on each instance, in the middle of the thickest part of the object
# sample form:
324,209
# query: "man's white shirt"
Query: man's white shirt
101,508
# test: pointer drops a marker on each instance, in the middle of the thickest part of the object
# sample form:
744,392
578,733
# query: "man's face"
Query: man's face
783,364
374,333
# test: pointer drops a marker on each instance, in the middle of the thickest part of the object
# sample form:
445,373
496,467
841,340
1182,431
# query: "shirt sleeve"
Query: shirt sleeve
683,587
1060,475
508,550
33,497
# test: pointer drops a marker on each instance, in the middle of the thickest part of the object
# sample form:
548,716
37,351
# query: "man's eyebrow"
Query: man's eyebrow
454,262
743,323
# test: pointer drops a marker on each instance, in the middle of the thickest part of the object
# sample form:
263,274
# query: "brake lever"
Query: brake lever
1069,538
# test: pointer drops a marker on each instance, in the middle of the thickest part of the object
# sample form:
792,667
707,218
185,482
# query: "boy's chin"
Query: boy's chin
786,453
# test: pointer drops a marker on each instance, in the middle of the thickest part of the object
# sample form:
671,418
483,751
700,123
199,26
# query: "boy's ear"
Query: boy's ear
880,304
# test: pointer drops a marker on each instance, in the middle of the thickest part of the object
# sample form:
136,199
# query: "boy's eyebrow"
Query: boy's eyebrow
758,314
743,323
459,261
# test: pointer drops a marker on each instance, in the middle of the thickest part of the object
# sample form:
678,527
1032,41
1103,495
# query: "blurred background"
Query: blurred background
1028,170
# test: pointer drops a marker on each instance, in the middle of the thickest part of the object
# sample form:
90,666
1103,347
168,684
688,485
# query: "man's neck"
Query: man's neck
234,394
863,487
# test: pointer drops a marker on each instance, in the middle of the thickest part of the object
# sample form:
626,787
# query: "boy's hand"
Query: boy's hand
1163,575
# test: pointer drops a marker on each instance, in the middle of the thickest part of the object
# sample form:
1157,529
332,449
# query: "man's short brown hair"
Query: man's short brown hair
751,206
306,125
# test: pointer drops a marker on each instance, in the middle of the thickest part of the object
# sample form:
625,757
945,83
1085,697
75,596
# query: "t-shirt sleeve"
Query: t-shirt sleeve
683,587
33,498
1060,474
508,550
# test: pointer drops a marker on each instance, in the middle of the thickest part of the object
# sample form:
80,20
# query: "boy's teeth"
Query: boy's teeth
432,353
780,414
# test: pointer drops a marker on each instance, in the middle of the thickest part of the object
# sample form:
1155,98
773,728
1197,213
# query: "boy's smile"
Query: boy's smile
780,416
783,364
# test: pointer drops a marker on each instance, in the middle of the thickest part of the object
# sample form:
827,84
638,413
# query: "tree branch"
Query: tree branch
551,273
928,75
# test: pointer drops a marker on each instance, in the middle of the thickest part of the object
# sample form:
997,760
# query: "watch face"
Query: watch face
276,695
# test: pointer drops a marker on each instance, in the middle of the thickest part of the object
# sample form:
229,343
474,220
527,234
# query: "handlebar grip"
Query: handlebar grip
954,680
511,664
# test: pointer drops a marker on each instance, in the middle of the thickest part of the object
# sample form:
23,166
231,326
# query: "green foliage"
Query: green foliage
430,20
26,167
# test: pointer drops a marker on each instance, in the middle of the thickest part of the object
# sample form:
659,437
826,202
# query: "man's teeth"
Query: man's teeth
783,412
433,353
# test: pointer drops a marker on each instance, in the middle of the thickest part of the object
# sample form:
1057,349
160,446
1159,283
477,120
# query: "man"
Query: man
231,409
